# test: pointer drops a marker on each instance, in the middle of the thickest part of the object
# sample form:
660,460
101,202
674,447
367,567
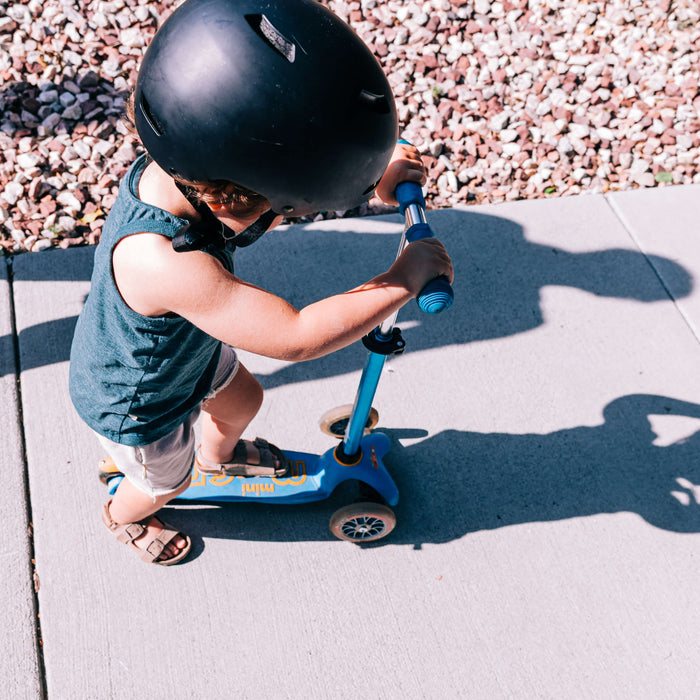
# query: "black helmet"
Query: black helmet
280,97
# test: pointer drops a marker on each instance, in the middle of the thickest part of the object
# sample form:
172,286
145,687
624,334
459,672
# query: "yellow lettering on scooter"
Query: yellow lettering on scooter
297,472
256,489
198,479
296,477
221,480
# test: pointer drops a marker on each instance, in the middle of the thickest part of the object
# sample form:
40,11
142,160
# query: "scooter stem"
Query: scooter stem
385,340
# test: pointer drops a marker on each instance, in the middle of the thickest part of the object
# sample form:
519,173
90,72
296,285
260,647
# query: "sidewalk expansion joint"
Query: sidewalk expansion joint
25,479
630,232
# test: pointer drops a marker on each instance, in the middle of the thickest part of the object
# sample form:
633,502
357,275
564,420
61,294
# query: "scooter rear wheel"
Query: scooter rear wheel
362,522
108,470
335,421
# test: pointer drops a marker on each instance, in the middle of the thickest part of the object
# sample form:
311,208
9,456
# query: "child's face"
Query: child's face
237,222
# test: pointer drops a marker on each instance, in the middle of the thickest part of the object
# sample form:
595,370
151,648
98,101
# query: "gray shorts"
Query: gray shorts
162,466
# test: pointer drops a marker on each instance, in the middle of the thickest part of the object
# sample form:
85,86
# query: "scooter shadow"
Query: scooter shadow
460,482
456,482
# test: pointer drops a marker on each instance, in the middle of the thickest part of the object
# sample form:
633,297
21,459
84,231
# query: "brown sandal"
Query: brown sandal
128,532
240,464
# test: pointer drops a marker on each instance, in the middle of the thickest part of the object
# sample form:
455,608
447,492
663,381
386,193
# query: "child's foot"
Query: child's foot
154,528
256,458
154,540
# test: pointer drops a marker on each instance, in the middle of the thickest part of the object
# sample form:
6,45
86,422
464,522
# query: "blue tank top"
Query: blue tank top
133,378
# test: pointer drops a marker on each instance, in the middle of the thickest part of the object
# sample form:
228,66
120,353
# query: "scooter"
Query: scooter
359,454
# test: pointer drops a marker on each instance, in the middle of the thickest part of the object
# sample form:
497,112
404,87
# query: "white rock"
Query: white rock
436,148
104,148
579,131
625,161
28,161
25,144
41,244
644,179
452,183
83,149
65,223
499,121
68,201
132,37
639,166
12,192
467,175
684,141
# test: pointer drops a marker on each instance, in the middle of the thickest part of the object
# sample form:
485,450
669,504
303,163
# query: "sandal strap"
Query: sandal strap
154,547
239,465
126,532
129,532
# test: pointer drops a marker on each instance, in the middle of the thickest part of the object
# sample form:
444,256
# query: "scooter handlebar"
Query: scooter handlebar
437,295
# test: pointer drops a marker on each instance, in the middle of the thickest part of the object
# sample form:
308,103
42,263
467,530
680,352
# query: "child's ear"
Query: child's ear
215,206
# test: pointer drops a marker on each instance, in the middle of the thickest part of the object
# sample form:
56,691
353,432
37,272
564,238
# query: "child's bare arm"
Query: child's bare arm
154,280
332,323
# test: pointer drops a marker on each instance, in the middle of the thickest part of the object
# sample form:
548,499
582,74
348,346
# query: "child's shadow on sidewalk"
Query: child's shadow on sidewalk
499,275
456,483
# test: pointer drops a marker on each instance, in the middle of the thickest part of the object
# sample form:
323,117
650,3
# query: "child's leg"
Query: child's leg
227,414
131,505
154,474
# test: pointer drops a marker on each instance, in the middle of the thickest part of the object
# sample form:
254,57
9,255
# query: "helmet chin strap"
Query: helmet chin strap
212,232
251,233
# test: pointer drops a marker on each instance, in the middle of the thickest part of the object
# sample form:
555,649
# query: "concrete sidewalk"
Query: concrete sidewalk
545,444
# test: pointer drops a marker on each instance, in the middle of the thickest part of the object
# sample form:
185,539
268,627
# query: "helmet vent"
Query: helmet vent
272,36
150,117
377,103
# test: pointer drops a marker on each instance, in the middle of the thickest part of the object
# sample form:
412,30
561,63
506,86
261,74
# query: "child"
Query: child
245,117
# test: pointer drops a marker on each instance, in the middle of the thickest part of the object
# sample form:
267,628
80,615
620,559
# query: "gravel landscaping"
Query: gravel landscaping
507,100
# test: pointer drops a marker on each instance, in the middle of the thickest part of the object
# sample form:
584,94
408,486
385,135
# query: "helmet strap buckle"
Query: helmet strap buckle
210,232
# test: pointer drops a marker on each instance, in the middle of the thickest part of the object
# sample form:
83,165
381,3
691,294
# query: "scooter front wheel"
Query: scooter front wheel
362,522
335,421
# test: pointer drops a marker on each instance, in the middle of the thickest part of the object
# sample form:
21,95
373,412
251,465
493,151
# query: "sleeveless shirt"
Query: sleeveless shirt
135,378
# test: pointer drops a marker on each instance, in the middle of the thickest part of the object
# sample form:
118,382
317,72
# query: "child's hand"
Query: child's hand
420,262
405,166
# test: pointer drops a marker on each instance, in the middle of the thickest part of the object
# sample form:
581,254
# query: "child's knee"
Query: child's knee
257,394
247,392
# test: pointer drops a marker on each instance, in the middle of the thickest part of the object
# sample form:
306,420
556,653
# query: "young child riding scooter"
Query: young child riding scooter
248,112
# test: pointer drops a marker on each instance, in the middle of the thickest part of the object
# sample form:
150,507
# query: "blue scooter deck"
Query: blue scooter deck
311,477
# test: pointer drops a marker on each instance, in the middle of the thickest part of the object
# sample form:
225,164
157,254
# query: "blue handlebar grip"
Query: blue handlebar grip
437,295
408,193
